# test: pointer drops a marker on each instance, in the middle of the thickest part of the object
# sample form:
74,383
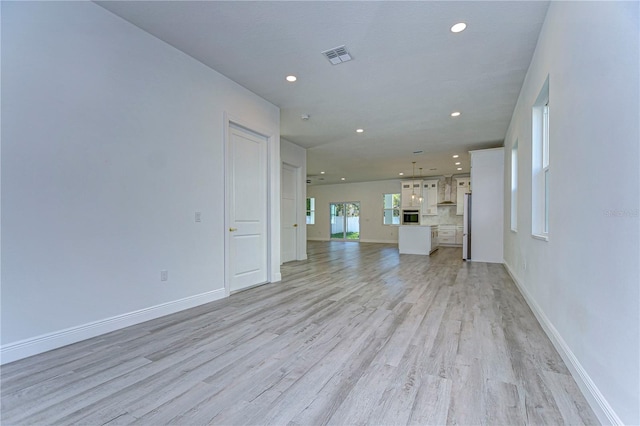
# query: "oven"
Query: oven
410,217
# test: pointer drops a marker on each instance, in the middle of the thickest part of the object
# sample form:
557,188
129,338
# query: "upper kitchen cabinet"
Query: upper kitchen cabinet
462,187
411,193
430,202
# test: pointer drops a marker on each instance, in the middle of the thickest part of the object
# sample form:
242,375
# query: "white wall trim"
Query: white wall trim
594,397
46,342
359,241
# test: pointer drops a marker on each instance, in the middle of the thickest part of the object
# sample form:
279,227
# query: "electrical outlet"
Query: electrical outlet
198,217
164,275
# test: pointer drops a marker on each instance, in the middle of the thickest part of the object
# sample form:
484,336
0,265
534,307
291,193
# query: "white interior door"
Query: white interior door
289,213
247,209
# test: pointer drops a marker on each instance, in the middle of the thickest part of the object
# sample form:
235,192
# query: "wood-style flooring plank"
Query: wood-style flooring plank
357,334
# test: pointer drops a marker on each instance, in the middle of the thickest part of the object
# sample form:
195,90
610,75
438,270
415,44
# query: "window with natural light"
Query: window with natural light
391,209
311,211
540,175
514,186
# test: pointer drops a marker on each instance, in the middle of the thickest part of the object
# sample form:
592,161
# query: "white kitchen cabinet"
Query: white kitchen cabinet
416,239
411,192
447,234
430,202
434,238
462,187
459,234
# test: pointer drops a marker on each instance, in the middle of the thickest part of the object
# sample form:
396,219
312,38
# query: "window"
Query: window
545,165
391,209
514,187
540,174
311,211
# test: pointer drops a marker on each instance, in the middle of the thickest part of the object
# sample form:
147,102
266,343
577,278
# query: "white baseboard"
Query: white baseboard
365,240
379,241
46,342
594,397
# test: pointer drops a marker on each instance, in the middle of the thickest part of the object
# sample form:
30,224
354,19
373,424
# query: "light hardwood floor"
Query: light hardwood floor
355,335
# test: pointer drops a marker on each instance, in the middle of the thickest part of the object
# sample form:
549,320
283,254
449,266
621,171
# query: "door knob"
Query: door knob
295,225
233,229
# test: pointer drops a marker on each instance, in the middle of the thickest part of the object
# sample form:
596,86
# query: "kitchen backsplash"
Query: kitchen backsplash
446,216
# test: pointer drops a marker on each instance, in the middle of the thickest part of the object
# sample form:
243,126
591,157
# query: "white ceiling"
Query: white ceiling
408,73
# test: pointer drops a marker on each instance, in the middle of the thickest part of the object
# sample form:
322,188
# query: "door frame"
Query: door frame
272,192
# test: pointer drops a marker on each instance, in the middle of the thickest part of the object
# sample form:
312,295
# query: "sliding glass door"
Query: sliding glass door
345,221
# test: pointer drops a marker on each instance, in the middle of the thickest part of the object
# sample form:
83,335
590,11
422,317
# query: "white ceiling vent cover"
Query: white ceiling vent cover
337,55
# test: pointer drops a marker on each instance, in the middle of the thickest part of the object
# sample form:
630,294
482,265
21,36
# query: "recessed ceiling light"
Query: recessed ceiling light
321,173
401,174
359,130
343,178
459,168
457,163
455,114
459,27
456,156
291,78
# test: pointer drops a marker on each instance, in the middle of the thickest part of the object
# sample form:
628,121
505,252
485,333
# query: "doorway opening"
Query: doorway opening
345,221
289,213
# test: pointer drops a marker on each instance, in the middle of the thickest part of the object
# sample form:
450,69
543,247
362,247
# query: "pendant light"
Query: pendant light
420,180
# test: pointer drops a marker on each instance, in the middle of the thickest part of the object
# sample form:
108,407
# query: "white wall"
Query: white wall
583,283
369,194
487,170
296,156
111,140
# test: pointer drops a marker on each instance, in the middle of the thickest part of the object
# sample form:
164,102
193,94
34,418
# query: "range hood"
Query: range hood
448,180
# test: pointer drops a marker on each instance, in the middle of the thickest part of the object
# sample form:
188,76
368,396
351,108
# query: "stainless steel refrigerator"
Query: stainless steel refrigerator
466,228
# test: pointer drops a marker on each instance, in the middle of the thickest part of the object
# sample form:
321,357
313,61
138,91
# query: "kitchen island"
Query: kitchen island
417,239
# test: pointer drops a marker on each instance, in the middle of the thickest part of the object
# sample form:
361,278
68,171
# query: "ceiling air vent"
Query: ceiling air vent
337,55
